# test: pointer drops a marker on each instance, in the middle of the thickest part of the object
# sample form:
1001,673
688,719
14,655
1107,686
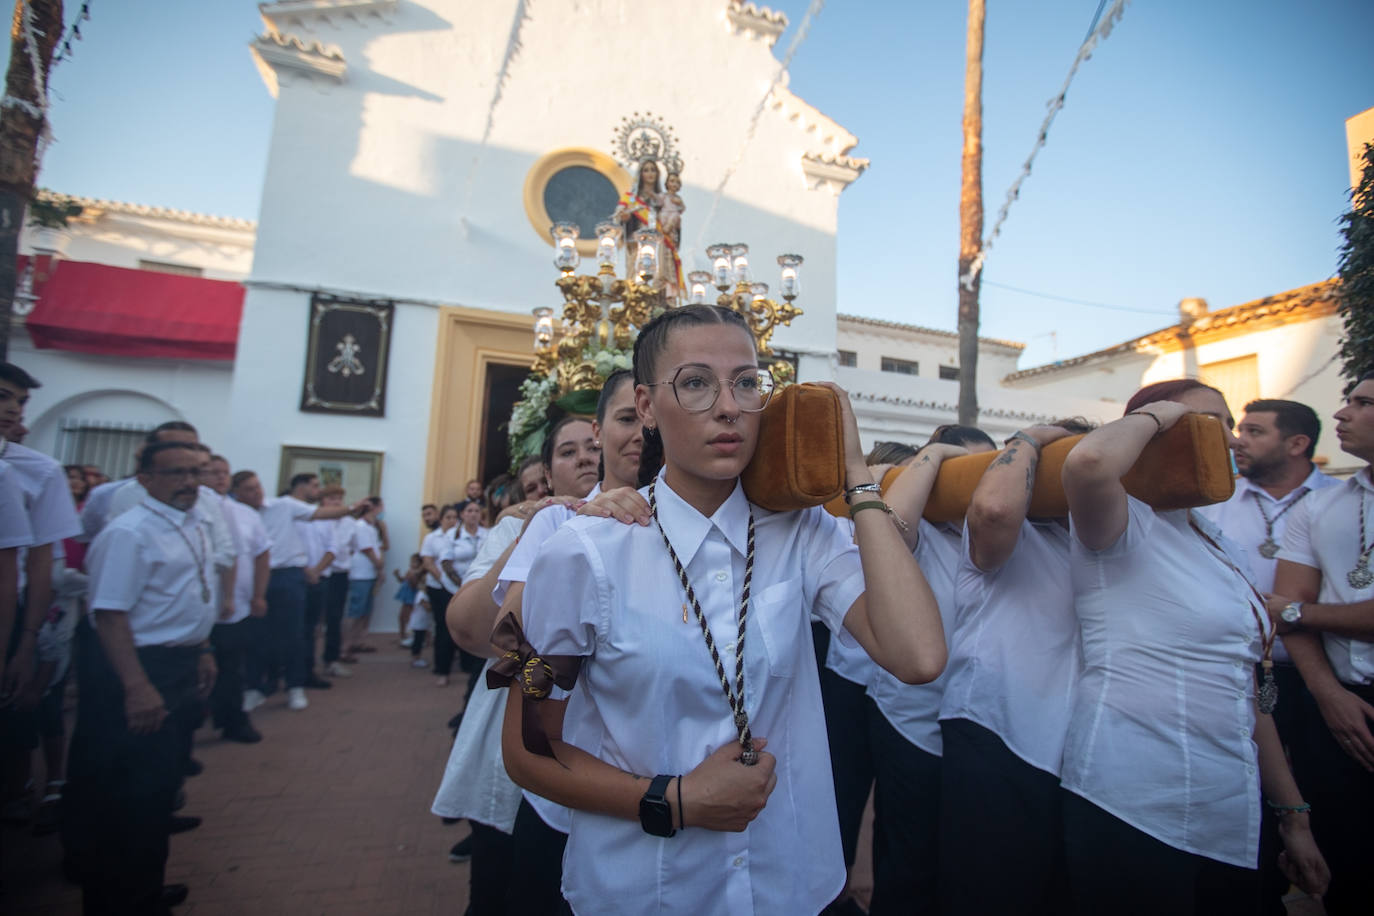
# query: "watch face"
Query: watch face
1291,614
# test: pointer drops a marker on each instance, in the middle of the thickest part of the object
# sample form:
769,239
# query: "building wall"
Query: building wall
903,408
1359,130
395,182
870,343
124,239
1295,362
83,386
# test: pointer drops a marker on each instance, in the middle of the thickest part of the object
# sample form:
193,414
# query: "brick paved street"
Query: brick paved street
328,815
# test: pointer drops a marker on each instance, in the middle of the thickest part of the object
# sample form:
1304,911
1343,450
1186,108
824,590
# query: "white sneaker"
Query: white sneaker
295,699
407,642
252,699
338,669
419,663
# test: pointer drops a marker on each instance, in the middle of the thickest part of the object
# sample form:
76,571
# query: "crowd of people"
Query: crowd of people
176,594
1120,709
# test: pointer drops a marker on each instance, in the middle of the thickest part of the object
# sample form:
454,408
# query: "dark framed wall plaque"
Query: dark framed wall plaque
347,347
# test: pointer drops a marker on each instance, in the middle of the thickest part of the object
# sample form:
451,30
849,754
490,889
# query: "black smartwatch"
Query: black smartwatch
654,814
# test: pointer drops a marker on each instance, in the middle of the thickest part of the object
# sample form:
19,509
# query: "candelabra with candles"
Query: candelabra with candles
602,313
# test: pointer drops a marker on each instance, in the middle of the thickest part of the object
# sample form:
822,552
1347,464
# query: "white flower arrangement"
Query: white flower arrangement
529,422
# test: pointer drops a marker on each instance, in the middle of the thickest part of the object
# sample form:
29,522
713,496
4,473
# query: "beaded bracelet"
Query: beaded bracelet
1281,810
862,488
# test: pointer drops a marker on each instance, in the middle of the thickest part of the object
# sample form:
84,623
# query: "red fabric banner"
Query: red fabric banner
95,308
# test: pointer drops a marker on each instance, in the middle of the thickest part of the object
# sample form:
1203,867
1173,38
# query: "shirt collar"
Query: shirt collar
1311,482
171,513
1361,478
687,528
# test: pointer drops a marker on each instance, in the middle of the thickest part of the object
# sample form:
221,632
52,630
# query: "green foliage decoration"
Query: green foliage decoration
1356,269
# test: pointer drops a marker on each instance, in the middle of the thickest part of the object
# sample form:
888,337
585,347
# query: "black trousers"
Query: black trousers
906,822
539,850
315,598
490,874
117,803
1000,829
335,600
444,646
1342,797
851,755
1115,868
232,642
417,643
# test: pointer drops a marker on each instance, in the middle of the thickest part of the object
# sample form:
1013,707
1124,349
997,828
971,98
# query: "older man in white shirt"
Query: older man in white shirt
143,663
1323,604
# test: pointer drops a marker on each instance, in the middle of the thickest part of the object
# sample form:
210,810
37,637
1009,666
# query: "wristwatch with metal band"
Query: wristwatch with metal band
1292,613
654,814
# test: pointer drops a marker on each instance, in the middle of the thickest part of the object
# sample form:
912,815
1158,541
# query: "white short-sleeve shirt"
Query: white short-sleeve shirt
364,538
317,536
475,783
208,502
96,511
14,521
438,544
279,517
1013,650
252,540
153,563
463,550
914,709
1163,714
517,569
1240,519
46,494
648,701
1324,533
341,530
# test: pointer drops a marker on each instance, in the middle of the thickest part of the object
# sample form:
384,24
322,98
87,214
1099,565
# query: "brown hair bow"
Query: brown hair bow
534,674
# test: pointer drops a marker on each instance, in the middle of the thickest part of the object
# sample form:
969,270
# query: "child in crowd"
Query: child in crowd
410,585
420,620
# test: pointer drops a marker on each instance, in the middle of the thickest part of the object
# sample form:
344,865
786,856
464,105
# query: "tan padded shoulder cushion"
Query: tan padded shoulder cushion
1187,466
799,461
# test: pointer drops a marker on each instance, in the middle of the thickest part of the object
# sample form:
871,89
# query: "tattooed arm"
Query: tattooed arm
1002,497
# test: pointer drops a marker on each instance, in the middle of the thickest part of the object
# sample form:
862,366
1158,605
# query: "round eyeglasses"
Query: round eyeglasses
697,388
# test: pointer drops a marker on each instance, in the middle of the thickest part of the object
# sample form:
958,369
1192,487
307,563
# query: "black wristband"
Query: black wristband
655,815
1159,424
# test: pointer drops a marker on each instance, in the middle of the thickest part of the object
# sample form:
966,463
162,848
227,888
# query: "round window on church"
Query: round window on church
578,186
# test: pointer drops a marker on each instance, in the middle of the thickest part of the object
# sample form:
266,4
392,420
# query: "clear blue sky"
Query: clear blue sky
1201,151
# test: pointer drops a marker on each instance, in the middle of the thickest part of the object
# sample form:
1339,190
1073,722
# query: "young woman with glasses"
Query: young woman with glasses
692,750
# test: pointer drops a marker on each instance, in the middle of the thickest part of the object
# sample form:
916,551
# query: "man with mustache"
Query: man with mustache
144,662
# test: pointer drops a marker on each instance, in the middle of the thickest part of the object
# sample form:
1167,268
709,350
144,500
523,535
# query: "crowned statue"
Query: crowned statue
651,202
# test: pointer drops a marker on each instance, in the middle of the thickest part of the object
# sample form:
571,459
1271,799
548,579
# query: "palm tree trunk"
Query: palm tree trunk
971,216
20,129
